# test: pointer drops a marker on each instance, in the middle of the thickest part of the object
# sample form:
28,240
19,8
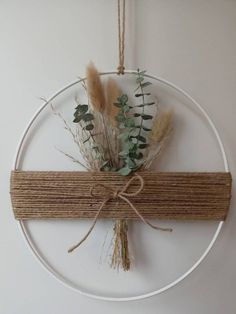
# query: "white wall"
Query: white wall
45,45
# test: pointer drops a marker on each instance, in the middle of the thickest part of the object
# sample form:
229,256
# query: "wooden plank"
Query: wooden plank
166,195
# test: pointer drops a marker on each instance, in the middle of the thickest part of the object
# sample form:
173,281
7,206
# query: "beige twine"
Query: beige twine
114,194
121,37
168,195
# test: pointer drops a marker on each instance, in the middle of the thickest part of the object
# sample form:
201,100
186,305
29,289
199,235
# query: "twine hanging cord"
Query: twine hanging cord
121,37
120,194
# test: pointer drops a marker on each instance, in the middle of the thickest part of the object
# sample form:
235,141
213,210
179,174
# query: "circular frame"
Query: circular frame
43,261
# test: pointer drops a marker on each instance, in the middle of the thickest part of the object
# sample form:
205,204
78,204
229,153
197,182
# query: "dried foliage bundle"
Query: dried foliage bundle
113,134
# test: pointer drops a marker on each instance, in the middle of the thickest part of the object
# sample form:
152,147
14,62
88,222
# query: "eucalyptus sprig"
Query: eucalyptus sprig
133,137
84,118
127,125
82,115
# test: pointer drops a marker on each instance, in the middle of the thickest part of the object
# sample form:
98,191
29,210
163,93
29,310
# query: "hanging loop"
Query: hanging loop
121,37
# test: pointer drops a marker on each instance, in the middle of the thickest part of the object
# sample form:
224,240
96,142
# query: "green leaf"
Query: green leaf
82,109
146,104
123,99
132,147
143,127
139,80
125,171
146,117
89,127
146,129
125,108
141,138
139,156
87,117
134,139
135,155
145,84
131,163
142,94
142,146
129,123
132,155
122,125
78,119
120,117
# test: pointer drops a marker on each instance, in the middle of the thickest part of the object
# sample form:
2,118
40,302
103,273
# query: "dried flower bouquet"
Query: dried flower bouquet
113,134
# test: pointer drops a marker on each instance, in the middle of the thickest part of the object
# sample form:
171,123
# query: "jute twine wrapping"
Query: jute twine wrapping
170,195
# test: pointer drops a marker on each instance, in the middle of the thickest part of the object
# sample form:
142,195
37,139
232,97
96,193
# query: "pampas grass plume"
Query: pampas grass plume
95,88
112,93
162,125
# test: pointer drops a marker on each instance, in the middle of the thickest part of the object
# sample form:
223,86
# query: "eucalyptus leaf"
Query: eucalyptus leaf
120,117
142,94
146,117
125,171
139,156
123,99
135,155
88,117
141,138
125,108
122,125
146,104
129,123
143,127
139,80
145,84
82,109
142,146
132,146
131,163
89,127
78,119
146,129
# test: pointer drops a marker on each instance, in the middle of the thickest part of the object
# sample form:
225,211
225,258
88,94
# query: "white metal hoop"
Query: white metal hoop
46,264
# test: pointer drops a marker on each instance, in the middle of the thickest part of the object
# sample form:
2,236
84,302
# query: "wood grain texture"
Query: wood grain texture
166,195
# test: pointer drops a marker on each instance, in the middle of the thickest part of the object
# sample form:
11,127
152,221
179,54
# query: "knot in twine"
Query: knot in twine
122,194
121,69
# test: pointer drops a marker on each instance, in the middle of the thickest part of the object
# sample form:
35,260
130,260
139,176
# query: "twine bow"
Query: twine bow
118,194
